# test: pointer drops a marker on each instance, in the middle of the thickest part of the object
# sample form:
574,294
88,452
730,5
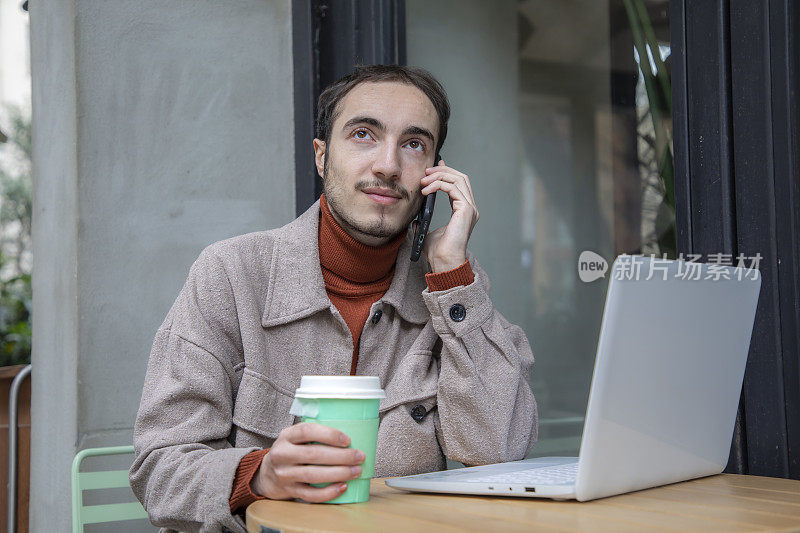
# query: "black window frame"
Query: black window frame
736,129
737,184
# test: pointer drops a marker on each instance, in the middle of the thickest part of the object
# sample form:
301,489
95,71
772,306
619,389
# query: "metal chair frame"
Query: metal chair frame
108,479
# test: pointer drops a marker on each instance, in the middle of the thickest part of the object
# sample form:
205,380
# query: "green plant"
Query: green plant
16,209
15,319
658,86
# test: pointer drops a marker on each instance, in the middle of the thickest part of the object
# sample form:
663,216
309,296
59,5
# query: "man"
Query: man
334,292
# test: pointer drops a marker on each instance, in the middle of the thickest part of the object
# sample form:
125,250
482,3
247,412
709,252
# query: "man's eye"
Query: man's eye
416,145
358,133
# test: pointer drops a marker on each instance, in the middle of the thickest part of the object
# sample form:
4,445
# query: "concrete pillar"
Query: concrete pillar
158,128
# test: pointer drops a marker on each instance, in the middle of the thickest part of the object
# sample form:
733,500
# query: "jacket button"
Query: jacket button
458,312
377,316
418,412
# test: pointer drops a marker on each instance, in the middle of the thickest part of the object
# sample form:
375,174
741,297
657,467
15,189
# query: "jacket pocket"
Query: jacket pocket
413,383
262,407
407,441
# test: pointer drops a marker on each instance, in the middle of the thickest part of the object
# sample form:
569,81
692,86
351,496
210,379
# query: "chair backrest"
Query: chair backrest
108,479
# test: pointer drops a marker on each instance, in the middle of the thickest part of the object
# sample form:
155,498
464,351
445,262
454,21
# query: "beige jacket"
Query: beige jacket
254,316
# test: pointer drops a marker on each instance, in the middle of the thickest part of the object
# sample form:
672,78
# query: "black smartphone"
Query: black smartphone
424,220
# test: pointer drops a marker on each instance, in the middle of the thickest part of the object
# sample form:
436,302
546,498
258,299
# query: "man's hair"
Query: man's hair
328,103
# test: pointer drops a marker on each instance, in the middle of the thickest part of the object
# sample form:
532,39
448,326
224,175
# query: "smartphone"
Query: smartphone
424,218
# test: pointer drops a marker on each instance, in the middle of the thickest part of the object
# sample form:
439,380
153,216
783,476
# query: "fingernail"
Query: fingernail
360,456
343,439
355,470
343,487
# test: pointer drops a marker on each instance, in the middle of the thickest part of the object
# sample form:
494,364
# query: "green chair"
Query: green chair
109,479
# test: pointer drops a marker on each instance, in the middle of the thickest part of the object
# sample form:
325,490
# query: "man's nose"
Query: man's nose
387,162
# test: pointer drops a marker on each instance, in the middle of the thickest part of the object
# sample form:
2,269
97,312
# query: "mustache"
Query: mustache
402,191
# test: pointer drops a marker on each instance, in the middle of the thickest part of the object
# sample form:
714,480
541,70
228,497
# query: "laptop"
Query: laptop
665,389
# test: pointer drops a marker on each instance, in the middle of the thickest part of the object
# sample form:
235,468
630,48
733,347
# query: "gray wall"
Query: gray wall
158,128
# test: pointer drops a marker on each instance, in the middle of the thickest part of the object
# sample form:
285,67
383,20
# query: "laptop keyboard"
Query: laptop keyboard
548,475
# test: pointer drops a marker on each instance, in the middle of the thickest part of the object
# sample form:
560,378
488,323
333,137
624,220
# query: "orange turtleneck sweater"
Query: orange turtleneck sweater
356,276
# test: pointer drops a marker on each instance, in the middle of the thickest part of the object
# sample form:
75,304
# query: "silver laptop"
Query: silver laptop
665,389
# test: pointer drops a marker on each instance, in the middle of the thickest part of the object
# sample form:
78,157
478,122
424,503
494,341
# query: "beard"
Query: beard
339,202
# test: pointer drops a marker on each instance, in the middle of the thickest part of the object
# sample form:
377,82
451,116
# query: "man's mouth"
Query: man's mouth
382,196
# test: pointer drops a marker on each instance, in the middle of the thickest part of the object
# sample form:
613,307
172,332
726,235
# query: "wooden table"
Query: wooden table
726,502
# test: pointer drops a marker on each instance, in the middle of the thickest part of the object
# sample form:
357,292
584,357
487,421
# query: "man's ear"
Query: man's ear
319,157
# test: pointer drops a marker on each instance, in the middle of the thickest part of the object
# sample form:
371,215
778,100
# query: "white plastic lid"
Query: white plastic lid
357,387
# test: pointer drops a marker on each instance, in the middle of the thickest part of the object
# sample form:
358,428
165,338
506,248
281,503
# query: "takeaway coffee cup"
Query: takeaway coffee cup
349,404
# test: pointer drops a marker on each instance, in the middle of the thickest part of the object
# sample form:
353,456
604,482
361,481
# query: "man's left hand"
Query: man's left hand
446,247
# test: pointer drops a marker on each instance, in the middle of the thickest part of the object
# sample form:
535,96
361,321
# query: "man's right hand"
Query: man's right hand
291,464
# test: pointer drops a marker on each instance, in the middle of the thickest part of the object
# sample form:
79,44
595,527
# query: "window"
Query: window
567,143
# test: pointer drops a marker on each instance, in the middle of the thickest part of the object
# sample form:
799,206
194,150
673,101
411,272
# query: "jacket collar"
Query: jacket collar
296,288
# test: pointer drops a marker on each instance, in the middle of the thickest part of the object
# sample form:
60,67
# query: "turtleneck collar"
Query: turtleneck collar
342,255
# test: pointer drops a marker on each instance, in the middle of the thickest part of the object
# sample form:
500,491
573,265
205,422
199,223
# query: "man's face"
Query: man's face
381,143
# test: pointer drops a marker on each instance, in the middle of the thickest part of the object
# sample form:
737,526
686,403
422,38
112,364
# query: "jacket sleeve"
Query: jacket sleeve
184,464
486,409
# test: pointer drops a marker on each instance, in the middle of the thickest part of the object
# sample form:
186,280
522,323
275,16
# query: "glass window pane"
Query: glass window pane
567,143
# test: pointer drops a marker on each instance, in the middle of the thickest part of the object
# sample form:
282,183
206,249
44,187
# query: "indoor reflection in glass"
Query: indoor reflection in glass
568,146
